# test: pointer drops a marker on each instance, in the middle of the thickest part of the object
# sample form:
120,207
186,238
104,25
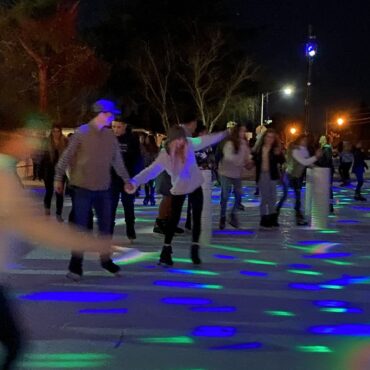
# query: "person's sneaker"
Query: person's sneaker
152,202
240,207
222,223
73,276
47,211
111,267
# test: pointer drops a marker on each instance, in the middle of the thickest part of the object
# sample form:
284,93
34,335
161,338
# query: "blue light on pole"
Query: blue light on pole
311,49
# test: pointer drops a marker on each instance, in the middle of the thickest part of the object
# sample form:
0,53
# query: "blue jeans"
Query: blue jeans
84,201
226,184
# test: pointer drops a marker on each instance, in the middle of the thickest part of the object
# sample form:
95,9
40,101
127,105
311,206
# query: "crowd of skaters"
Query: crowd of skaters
228,158
104,163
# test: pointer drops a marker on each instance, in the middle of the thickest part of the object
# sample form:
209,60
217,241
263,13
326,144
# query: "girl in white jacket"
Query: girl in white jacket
178,160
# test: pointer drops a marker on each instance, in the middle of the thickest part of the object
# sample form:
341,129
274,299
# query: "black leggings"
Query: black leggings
49,191
196,202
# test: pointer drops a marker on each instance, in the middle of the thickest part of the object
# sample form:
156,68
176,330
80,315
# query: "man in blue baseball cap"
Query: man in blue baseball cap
105,106
90,155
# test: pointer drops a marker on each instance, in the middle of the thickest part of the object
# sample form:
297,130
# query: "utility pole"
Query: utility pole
311,52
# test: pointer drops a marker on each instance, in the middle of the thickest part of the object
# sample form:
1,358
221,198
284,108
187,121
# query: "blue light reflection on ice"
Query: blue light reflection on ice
74,296
214,331
214,309
102,311
238,346
254,273
186,300
342,329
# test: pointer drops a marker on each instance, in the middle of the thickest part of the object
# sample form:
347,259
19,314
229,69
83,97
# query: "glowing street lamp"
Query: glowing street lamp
340,121
286,90
293,130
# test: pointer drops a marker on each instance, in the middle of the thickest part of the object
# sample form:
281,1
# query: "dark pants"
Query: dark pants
196,201
84,201
149,190
49,191
296,183
188,216
285,185
360,180
10,335
344,172
127,201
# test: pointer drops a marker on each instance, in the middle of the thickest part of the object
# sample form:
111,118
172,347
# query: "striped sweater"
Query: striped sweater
90,156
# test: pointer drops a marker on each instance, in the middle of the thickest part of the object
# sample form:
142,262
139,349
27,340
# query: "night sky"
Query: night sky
341,77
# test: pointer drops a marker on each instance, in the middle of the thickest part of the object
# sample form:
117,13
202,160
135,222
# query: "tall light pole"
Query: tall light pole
311,52
286,90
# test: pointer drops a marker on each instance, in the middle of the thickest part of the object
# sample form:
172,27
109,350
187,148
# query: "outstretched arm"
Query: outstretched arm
202,142
152,171
21,214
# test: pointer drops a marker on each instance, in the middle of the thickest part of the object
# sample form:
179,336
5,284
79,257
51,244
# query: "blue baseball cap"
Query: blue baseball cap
103,105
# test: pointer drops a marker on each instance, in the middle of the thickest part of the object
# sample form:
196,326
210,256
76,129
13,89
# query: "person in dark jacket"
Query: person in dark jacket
358,168
268,157
130,150
54,147
149,151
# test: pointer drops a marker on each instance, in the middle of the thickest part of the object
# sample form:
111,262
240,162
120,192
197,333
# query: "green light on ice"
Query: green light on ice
339,263
334,309
305,272
65,361
68,356
234,249
280,313
327,286
62,364
146,257
329,231
261,262
168,340
182,260
317,349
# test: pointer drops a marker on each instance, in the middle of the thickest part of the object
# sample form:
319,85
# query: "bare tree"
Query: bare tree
61,71
205,77
155,71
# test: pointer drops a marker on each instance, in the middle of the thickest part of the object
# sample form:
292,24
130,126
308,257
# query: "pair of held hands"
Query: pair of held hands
129,187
